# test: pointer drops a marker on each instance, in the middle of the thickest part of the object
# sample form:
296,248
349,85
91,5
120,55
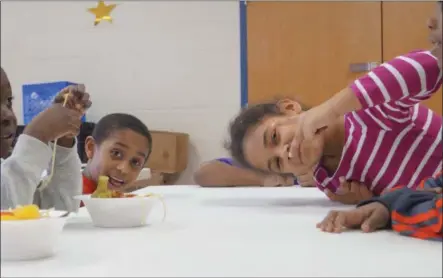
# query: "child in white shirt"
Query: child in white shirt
22,167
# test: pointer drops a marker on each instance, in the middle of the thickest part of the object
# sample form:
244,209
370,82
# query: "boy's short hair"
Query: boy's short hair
118,121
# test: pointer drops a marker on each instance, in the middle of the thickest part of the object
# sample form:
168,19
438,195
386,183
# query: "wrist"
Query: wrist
67,142
37,135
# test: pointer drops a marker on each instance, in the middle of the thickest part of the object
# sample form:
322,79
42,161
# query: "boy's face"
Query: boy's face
435,36
121,157
7,116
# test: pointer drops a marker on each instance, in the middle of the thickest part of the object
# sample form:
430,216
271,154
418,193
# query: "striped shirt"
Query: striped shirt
393,139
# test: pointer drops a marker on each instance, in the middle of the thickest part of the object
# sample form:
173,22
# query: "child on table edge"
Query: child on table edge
118,148
410,213
22,169
373,133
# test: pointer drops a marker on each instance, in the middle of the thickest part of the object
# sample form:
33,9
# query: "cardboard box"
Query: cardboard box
169,152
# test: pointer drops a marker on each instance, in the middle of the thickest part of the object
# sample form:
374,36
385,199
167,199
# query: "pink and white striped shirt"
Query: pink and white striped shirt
393,140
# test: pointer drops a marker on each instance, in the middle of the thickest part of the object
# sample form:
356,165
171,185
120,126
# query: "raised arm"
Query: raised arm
391,89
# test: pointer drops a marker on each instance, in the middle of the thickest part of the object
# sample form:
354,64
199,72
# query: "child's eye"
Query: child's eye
116,154
274,137
9,103
136,163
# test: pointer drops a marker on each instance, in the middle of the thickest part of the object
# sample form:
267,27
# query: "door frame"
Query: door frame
243,53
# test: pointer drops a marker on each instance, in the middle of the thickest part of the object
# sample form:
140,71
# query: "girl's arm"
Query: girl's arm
392,88
217,174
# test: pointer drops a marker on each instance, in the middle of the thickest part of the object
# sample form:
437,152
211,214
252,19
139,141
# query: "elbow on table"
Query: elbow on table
202,178
208,175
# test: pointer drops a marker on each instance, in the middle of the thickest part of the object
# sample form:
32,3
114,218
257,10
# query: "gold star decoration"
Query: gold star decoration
102,12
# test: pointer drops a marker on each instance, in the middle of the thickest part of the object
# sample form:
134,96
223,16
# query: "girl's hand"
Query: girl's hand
277,180
316,119
311,123
306,180
350,192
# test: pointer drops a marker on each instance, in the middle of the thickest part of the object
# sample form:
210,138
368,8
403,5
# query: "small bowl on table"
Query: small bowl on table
125,212
31,239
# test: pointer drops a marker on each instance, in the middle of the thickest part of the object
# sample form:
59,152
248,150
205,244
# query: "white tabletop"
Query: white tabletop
233,232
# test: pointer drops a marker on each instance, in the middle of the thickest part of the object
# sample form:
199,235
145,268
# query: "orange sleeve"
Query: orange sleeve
419,213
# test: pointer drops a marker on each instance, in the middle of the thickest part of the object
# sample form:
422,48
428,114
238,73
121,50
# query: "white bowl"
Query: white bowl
31,239
118,212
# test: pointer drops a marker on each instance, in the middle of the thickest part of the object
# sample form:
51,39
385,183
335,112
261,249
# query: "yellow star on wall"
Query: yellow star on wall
102,12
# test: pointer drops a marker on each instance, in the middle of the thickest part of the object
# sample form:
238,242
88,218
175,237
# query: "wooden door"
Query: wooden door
304,49
405,29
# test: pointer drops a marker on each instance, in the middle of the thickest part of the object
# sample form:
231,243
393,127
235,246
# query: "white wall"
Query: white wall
173,64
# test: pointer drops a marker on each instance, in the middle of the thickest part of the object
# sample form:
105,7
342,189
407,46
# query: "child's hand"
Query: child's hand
277,180
54,122
306,180
350,192
78,98
368,218
310,123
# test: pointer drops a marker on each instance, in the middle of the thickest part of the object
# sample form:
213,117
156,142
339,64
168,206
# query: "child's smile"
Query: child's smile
115,183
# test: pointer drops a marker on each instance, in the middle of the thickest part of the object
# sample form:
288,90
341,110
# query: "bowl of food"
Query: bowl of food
28,233
113,209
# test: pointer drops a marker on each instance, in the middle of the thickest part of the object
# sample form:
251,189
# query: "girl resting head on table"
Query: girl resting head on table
367,138
225,172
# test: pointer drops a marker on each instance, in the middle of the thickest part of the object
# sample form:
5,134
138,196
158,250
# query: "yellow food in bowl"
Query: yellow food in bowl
28,212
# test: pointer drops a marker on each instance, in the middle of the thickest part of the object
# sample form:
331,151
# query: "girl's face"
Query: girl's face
435,33
267,146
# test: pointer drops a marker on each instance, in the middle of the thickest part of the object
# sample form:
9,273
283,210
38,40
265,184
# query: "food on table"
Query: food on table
103,191
22,213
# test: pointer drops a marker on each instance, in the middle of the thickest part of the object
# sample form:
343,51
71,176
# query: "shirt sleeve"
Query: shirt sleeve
415,213
22,171
390,90
65,183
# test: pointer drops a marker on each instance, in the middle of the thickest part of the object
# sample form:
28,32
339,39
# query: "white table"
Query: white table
233,232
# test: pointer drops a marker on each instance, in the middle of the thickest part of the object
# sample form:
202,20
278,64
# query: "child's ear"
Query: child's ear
89,147
289,106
